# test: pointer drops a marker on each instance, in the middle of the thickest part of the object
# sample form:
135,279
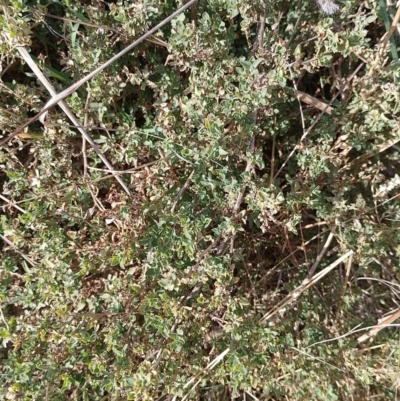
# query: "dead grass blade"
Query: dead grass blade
11,204
319,257
207,369
28,59
294,295
382,323
313,101
62,95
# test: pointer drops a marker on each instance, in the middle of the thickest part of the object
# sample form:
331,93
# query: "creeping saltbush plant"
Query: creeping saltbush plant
249,134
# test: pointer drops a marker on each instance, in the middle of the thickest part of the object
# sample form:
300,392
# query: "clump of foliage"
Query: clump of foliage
109,297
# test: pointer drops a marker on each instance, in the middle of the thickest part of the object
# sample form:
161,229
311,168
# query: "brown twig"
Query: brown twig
182,190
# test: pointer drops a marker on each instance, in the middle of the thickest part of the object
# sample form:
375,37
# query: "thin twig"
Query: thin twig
251,395
27,258
182,190
153,39
319,257
317,119
317,359
299,97
3,319
349,333
242,191
84,155
129,171
303,244
98,128
274,268
295,294
346,280
261,28
271,175
11,203
28,59
384,42
119,172
207,369
65,93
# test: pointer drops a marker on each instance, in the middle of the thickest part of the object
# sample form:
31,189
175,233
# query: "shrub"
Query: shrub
110,297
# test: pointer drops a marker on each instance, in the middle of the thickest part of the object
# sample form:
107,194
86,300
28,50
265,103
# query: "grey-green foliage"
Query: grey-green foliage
124,298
